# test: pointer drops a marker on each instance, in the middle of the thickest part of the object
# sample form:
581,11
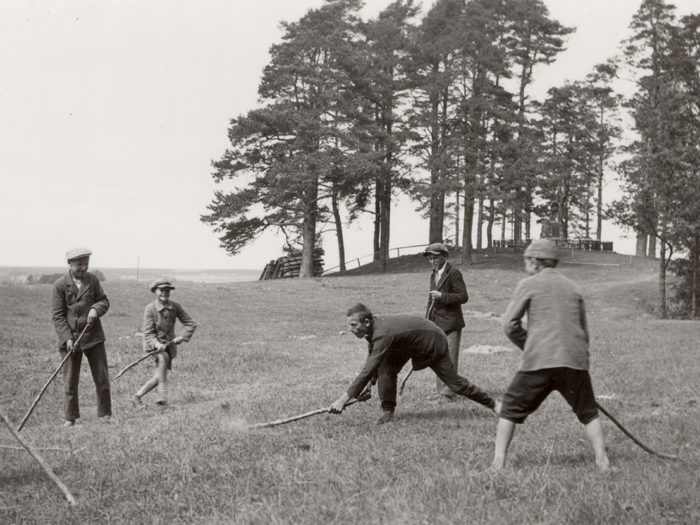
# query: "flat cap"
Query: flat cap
77,253
437,248
542,249
161,283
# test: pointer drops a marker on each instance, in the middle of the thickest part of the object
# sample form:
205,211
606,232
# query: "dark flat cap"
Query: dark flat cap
437,248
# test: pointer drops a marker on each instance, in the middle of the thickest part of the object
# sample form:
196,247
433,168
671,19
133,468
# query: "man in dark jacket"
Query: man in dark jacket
445,299
393,340
77,302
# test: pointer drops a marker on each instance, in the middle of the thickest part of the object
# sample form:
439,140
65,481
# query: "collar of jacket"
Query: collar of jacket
445,271
160,306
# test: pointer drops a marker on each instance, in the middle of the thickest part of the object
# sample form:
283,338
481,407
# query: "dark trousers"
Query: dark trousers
454,339
97,358
443,368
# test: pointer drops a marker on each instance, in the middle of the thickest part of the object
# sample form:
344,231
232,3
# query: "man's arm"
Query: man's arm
101,304
367,374
58,314
512,319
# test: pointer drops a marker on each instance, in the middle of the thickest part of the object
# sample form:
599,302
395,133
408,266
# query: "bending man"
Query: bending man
392,341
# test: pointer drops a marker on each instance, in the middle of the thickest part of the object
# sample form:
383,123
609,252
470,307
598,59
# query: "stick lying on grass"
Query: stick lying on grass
629,435
364,396
132,365
50,473
41,393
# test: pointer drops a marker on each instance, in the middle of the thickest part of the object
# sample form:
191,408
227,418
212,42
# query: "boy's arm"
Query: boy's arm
513,318
150,339
584,323
187,321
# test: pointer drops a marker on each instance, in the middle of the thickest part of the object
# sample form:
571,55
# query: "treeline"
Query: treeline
354,112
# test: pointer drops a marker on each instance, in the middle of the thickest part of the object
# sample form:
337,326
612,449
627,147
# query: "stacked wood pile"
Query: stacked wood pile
289,266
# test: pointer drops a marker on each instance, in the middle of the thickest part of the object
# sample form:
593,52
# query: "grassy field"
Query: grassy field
271,349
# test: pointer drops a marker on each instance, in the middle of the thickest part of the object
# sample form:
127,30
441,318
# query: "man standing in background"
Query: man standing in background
445,299
77,303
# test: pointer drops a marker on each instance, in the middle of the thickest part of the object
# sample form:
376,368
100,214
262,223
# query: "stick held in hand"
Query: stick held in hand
53,376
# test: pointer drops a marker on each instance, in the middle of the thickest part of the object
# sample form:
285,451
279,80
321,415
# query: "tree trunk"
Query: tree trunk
377,219
309,230
652,247
694,294
599,205
467,229
662,277
480,225
641,248
338,229
489,223
457,219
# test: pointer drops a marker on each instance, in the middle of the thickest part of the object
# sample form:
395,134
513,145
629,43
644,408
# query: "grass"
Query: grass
272,349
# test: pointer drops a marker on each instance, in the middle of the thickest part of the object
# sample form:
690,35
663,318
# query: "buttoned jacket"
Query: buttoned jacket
446,312
159,325
70,307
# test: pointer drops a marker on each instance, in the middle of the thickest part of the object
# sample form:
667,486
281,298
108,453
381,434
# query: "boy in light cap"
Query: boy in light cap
159,334
555,351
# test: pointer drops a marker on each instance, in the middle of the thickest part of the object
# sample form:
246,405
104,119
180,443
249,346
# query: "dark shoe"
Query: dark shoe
387,416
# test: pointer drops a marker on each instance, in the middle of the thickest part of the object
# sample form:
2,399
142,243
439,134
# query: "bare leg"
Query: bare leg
594,431
162,374
504,435
148,386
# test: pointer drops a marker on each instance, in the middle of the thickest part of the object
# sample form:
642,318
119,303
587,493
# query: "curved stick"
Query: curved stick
41,392
132,365
636,441
50,473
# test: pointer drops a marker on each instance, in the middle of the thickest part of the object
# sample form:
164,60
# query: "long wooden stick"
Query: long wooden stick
53,376
132,365
50,473
636,441
364,396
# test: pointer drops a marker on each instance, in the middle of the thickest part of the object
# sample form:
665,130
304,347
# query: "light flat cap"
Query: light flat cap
437,248
162,283
542,249
77,253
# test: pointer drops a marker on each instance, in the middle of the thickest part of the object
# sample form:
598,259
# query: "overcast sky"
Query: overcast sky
111,111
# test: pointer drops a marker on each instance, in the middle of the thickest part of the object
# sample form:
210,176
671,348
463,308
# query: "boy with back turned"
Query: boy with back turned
555,351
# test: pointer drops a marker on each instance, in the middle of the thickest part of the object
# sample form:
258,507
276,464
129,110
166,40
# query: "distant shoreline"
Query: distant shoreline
216,275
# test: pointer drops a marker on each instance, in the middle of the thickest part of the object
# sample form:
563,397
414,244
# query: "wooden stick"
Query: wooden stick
364,396
41,393
50,473
132,365
636,441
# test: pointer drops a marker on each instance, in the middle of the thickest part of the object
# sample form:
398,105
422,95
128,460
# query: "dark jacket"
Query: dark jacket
399,338
70,306
446,312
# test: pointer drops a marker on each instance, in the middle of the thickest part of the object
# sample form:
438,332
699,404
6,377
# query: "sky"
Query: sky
111,113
